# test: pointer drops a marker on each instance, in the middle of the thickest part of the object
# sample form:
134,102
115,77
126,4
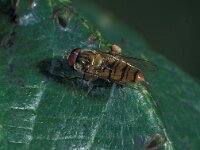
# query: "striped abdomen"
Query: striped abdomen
121,71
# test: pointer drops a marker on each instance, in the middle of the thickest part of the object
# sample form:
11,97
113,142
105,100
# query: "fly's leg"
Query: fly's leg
121,90
90,84
146,85
89,90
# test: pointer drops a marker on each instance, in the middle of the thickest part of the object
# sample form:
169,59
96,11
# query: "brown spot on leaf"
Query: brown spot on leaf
93,37
63,15
124,41
10,41
155,142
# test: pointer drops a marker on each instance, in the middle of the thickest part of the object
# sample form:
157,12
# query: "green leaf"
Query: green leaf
43,107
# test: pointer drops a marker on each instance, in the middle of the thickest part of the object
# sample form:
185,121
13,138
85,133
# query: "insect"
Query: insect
110,66
155,142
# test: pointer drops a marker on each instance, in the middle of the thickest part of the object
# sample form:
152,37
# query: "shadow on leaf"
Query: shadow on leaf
58,69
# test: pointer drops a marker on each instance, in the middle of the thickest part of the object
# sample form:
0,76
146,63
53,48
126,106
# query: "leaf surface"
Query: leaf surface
43,107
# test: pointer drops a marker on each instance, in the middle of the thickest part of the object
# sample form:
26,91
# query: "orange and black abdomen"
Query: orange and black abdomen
120,71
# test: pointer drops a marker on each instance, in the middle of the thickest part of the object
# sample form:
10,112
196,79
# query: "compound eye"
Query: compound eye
73,56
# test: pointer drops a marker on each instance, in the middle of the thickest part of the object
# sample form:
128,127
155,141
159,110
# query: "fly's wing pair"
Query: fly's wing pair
141,64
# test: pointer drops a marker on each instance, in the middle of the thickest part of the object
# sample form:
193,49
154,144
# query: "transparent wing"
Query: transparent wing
141,64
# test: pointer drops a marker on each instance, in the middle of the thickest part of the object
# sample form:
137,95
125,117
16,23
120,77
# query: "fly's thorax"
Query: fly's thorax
88,61
78,67
98,60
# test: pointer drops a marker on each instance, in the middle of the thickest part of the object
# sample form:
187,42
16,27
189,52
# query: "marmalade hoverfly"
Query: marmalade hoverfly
110,66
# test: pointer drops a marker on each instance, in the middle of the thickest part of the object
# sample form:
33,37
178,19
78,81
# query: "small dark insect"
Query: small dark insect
155,142
110,66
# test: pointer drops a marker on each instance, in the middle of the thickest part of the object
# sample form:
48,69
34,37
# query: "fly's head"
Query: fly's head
72,58
80,61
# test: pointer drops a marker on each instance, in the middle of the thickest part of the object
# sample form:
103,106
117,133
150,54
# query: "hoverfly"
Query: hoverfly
110,66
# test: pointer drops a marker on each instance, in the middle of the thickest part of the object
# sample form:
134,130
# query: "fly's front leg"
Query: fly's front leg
90,84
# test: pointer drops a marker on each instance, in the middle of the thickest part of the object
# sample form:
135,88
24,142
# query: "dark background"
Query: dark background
172,28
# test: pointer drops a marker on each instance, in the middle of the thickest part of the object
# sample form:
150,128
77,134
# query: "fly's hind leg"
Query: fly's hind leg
120,87
146,84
